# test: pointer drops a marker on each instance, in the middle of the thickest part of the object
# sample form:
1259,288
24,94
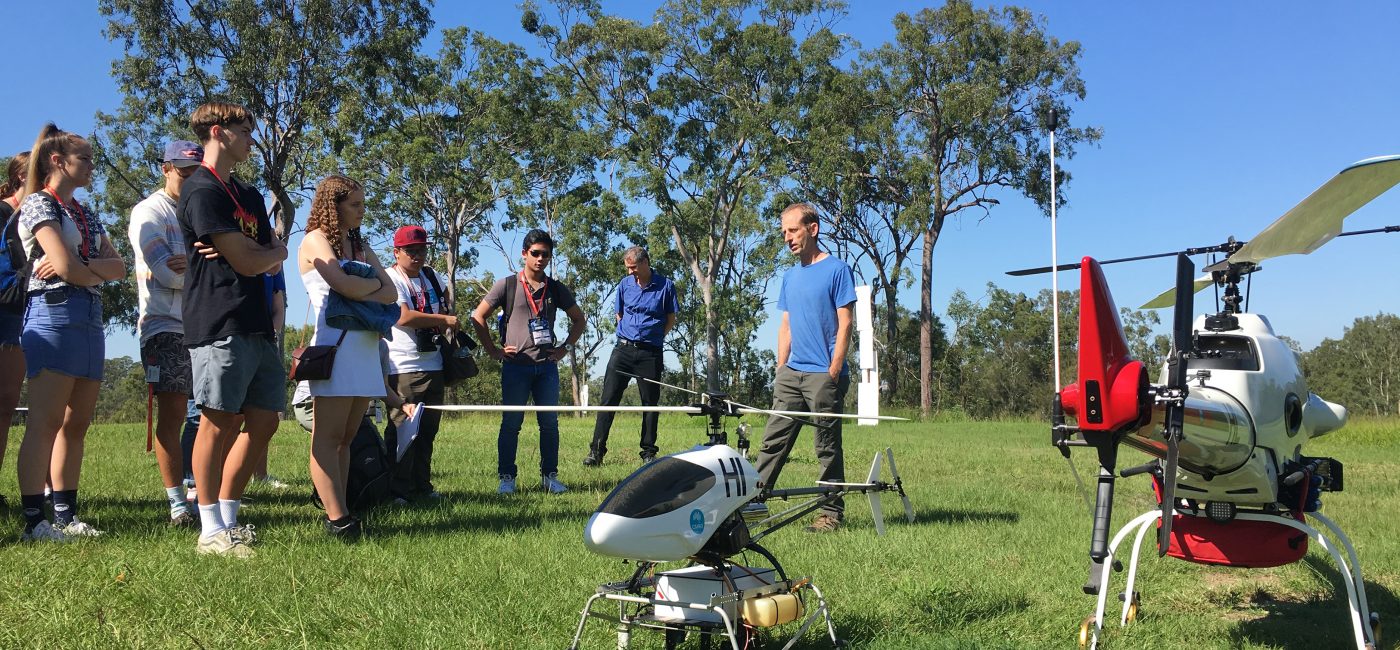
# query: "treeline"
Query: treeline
687,133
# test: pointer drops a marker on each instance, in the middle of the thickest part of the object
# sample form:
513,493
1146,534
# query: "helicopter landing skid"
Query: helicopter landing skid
720,617
1363,626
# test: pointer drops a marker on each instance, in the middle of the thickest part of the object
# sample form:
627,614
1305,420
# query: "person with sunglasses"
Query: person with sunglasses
529,355
415,362
158,247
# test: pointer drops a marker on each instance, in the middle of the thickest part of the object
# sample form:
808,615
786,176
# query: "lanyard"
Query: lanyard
417,290
79,217
247,221
530,295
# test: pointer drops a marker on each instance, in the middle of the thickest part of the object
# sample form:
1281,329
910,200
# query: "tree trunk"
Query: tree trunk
711,339
889,370
926,324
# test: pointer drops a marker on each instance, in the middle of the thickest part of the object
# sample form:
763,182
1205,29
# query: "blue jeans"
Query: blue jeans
521,384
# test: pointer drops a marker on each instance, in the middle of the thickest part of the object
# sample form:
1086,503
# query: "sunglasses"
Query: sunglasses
538,252
186,172
415,251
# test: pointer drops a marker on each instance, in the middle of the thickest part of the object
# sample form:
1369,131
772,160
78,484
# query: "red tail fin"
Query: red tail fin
1110,394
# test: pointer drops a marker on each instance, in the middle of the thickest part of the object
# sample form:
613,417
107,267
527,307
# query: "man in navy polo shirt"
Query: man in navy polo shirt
646,311
816,300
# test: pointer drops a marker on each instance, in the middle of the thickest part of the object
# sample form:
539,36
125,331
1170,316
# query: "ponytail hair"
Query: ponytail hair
52,140
14,175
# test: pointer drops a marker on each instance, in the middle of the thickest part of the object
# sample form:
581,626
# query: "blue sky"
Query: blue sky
1218,118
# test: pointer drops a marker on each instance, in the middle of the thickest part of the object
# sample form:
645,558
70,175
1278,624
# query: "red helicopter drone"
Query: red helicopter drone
1225,422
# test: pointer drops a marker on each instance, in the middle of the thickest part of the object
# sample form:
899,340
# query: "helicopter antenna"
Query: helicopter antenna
1053,122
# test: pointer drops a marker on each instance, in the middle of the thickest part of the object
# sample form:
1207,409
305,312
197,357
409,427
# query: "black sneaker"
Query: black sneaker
351,530
593,459
648,458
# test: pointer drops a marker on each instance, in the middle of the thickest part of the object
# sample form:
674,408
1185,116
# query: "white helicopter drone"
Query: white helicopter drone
1226,421
705,506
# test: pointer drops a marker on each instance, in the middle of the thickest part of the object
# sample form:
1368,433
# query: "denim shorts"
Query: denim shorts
63,333
239,371
11,324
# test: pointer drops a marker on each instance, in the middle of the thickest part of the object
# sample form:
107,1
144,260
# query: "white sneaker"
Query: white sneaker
243,534
551,482
222,543
79,529
272,482
507,485
44,532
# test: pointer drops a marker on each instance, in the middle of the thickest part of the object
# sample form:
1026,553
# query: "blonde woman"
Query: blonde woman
63,339
339,403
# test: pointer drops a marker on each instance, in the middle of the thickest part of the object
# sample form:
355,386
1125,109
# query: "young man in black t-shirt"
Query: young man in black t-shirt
228,324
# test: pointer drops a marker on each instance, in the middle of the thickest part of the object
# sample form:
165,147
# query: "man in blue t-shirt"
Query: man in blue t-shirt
646,311
816,301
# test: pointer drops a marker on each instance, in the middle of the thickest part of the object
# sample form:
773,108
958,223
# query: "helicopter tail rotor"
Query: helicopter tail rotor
1174,395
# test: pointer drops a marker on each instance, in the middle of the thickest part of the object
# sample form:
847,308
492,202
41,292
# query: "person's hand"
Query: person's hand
451,322
500,354
43,269
835,374
558,354
176,263
207,250
409,408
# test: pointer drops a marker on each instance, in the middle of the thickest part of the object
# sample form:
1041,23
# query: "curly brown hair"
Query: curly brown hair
325,213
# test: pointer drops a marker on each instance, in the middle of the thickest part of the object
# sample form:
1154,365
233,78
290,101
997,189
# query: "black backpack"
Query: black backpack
368,484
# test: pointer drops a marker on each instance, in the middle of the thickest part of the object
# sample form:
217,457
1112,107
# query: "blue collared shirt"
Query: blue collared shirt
644,309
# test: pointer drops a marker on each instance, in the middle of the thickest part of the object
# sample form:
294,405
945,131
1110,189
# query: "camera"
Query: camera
428,340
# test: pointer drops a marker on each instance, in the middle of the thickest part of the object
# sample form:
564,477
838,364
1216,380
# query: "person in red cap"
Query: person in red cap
415,361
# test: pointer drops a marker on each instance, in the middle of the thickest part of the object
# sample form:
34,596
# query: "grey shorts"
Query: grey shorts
167,363
239,372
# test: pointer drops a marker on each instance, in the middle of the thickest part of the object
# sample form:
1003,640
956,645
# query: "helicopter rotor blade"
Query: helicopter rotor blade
1070,267
1182,347
876,512
1317,219
743,410
1168,298
531,408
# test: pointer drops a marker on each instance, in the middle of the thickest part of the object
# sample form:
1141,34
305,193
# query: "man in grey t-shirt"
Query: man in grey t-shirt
529,354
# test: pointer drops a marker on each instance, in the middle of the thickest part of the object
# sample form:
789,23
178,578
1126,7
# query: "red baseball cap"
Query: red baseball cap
410,236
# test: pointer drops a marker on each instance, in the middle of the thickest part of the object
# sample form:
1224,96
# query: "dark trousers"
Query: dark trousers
411,476
634,361
794,390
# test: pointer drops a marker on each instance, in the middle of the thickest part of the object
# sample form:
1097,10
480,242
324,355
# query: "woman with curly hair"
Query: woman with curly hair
332,244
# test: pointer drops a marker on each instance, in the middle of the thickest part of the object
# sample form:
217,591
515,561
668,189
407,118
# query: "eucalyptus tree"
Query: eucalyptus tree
968,90
692,107
294,65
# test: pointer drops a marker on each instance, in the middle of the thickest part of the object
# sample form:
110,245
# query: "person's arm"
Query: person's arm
387,293
784,341
246,256
148,236
843,340
279,314
577,322
670,322
483,333
317,249
58,261
109,265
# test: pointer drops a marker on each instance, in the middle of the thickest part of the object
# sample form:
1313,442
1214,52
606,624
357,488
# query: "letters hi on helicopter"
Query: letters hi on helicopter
1226,421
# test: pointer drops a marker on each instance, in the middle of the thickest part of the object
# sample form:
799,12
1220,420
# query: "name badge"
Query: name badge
541,333
153,374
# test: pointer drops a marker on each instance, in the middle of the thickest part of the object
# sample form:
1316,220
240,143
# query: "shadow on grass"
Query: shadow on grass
961,516
1314,621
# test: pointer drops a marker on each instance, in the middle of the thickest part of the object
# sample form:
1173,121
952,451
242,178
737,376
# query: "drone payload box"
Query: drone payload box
698,584
668,509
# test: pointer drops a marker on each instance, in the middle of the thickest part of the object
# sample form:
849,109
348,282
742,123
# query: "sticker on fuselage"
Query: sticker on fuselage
697,521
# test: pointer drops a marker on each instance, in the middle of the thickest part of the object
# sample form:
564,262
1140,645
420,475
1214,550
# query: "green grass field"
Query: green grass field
995,559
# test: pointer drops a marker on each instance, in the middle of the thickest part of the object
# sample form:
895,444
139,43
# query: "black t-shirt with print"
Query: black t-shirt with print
218,301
